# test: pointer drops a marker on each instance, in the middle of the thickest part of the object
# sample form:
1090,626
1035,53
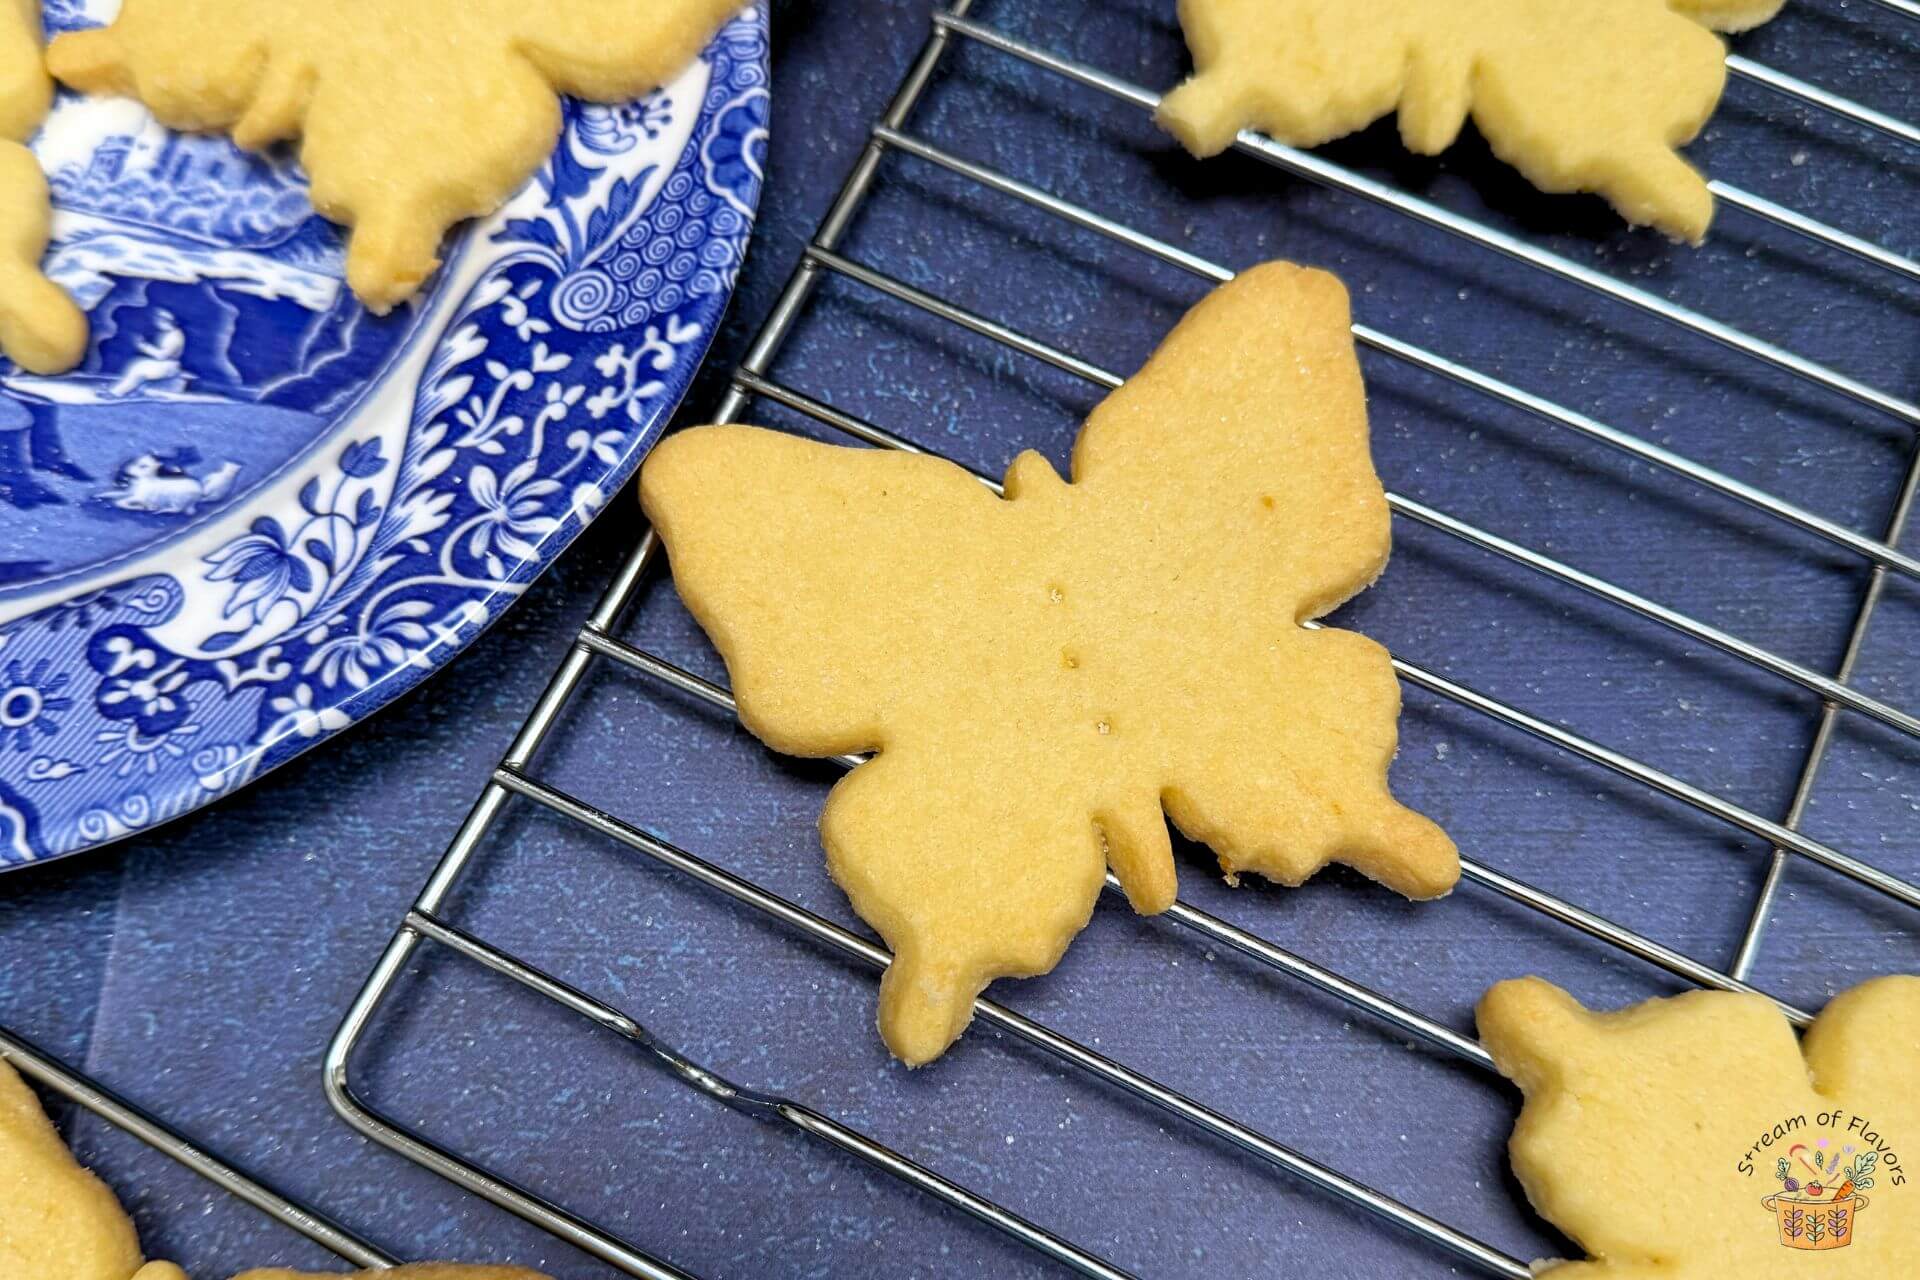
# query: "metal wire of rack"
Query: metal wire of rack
891,140
54,1076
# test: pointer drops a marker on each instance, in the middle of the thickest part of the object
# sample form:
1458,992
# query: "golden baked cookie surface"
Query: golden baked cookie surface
25,90
40,328
413,114
57,1221
1729,15
1045,676
1694,1139
1579,95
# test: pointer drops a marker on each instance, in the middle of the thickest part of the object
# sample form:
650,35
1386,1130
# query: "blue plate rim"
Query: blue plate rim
629,275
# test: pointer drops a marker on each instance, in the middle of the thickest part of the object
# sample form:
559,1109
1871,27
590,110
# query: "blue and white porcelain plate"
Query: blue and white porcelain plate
257,513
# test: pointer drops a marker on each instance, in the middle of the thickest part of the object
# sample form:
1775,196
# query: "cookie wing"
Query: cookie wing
40,328
1729,15
809,567
1234,469
1254,404
1543,80
869,600
1865,1048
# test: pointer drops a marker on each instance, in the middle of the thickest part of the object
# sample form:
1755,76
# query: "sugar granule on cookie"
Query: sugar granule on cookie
1695,1139
1579,95
1046,678
41,330
412,114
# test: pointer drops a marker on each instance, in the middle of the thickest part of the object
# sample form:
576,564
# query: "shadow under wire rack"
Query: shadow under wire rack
894,142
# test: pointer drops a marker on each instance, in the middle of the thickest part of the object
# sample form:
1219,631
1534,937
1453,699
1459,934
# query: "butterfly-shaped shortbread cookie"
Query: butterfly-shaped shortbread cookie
1044,676
1579,95
40,328
1696,1139
413,114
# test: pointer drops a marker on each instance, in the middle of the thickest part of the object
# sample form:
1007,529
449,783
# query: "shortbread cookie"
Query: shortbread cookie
1729,15
1044,676
25,90
40,328
1694,1139
1579,95
57,1221
418,1271
413,114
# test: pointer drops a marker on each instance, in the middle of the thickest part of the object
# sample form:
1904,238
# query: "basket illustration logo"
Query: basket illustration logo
1821,1196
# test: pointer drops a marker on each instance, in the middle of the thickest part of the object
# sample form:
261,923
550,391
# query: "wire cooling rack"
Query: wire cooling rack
894,141
56,1077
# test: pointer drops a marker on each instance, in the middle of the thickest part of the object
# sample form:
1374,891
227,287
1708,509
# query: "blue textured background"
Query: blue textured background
202,968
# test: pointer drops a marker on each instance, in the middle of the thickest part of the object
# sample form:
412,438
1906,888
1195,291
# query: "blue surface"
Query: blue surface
202,969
